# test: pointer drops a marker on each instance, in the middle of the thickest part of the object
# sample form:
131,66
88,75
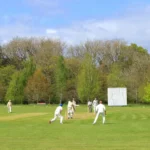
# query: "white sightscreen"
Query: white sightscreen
117,96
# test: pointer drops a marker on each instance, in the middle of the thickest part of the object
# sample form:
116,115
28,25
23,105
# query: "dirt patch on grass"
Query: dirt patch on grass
20,116
84,115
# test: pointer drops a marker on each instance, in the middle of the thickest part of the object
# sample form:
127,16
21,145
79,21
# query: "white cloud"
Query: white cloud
51,31
133,27
8,32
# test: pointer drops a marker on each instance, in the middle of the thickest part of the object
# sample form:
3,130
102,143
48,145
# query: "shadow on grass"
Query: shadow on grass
87,123
108,123
68,122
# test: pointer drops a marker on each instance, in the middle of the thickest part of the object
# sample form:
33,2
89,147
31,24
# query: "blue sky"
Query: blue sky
75,21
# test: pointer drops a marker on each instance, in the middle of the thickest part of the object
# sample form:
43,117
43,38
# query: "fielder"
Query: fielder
58,114
100,110
95,103
9,106
89,104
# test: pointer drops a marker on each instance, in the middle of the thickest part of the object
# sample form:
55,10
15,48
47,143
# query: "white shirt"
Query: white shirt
100,108
9,104
89,103
74,103
58,110
95,102
70,104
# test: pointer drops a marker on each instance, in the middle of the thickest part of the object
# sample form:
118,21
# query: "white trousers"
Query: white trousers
9,109
56,116
94,109
97,115
70,112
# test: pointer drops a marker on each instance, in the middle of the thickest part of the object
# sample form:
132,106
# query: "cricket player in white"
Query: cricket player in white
9,105
71,109
100,110
95,103
89,106
74,103
58,114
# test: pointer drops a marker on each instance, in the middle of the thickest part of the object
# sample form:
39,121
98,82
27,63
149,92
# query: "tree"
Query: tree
88,85
60,77
1,55
12,90
5,78
38,88
46,56
115,77
6,73
19,50
146,96
15,91
72,65
138,48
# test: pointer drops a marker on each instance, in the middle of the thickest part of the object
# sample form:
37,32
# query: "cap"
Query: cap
61,104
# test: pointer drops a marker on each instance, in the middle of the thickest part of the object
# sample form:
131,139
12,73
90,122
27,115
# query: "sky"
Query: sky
76,21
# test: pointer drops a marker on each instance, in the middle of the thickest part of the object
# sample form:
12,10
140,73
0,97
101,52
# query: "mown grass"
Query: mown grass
27,128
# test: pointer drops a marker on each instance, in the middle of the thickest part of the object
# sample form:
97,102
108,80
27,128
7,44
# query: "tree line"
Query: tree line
36,70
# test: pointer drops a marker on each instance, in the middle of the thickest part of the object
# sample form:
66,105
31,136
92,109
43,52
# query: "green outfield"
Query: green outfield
27,128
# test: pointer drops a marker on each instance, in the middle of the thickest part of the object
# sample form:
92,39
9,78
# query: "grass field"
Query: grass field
27,128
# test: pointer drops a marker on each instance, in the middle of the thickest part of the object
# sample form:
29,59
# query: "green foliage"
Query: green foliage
110,63
6,73
72,65
5,77
1,55
16,87
29,68
13,89
2,92
38,88
115,77
138,48
60,77
88,85
146,96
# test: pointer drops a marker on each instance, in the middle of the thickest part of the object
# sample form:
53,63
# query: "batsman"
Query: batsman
70,109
